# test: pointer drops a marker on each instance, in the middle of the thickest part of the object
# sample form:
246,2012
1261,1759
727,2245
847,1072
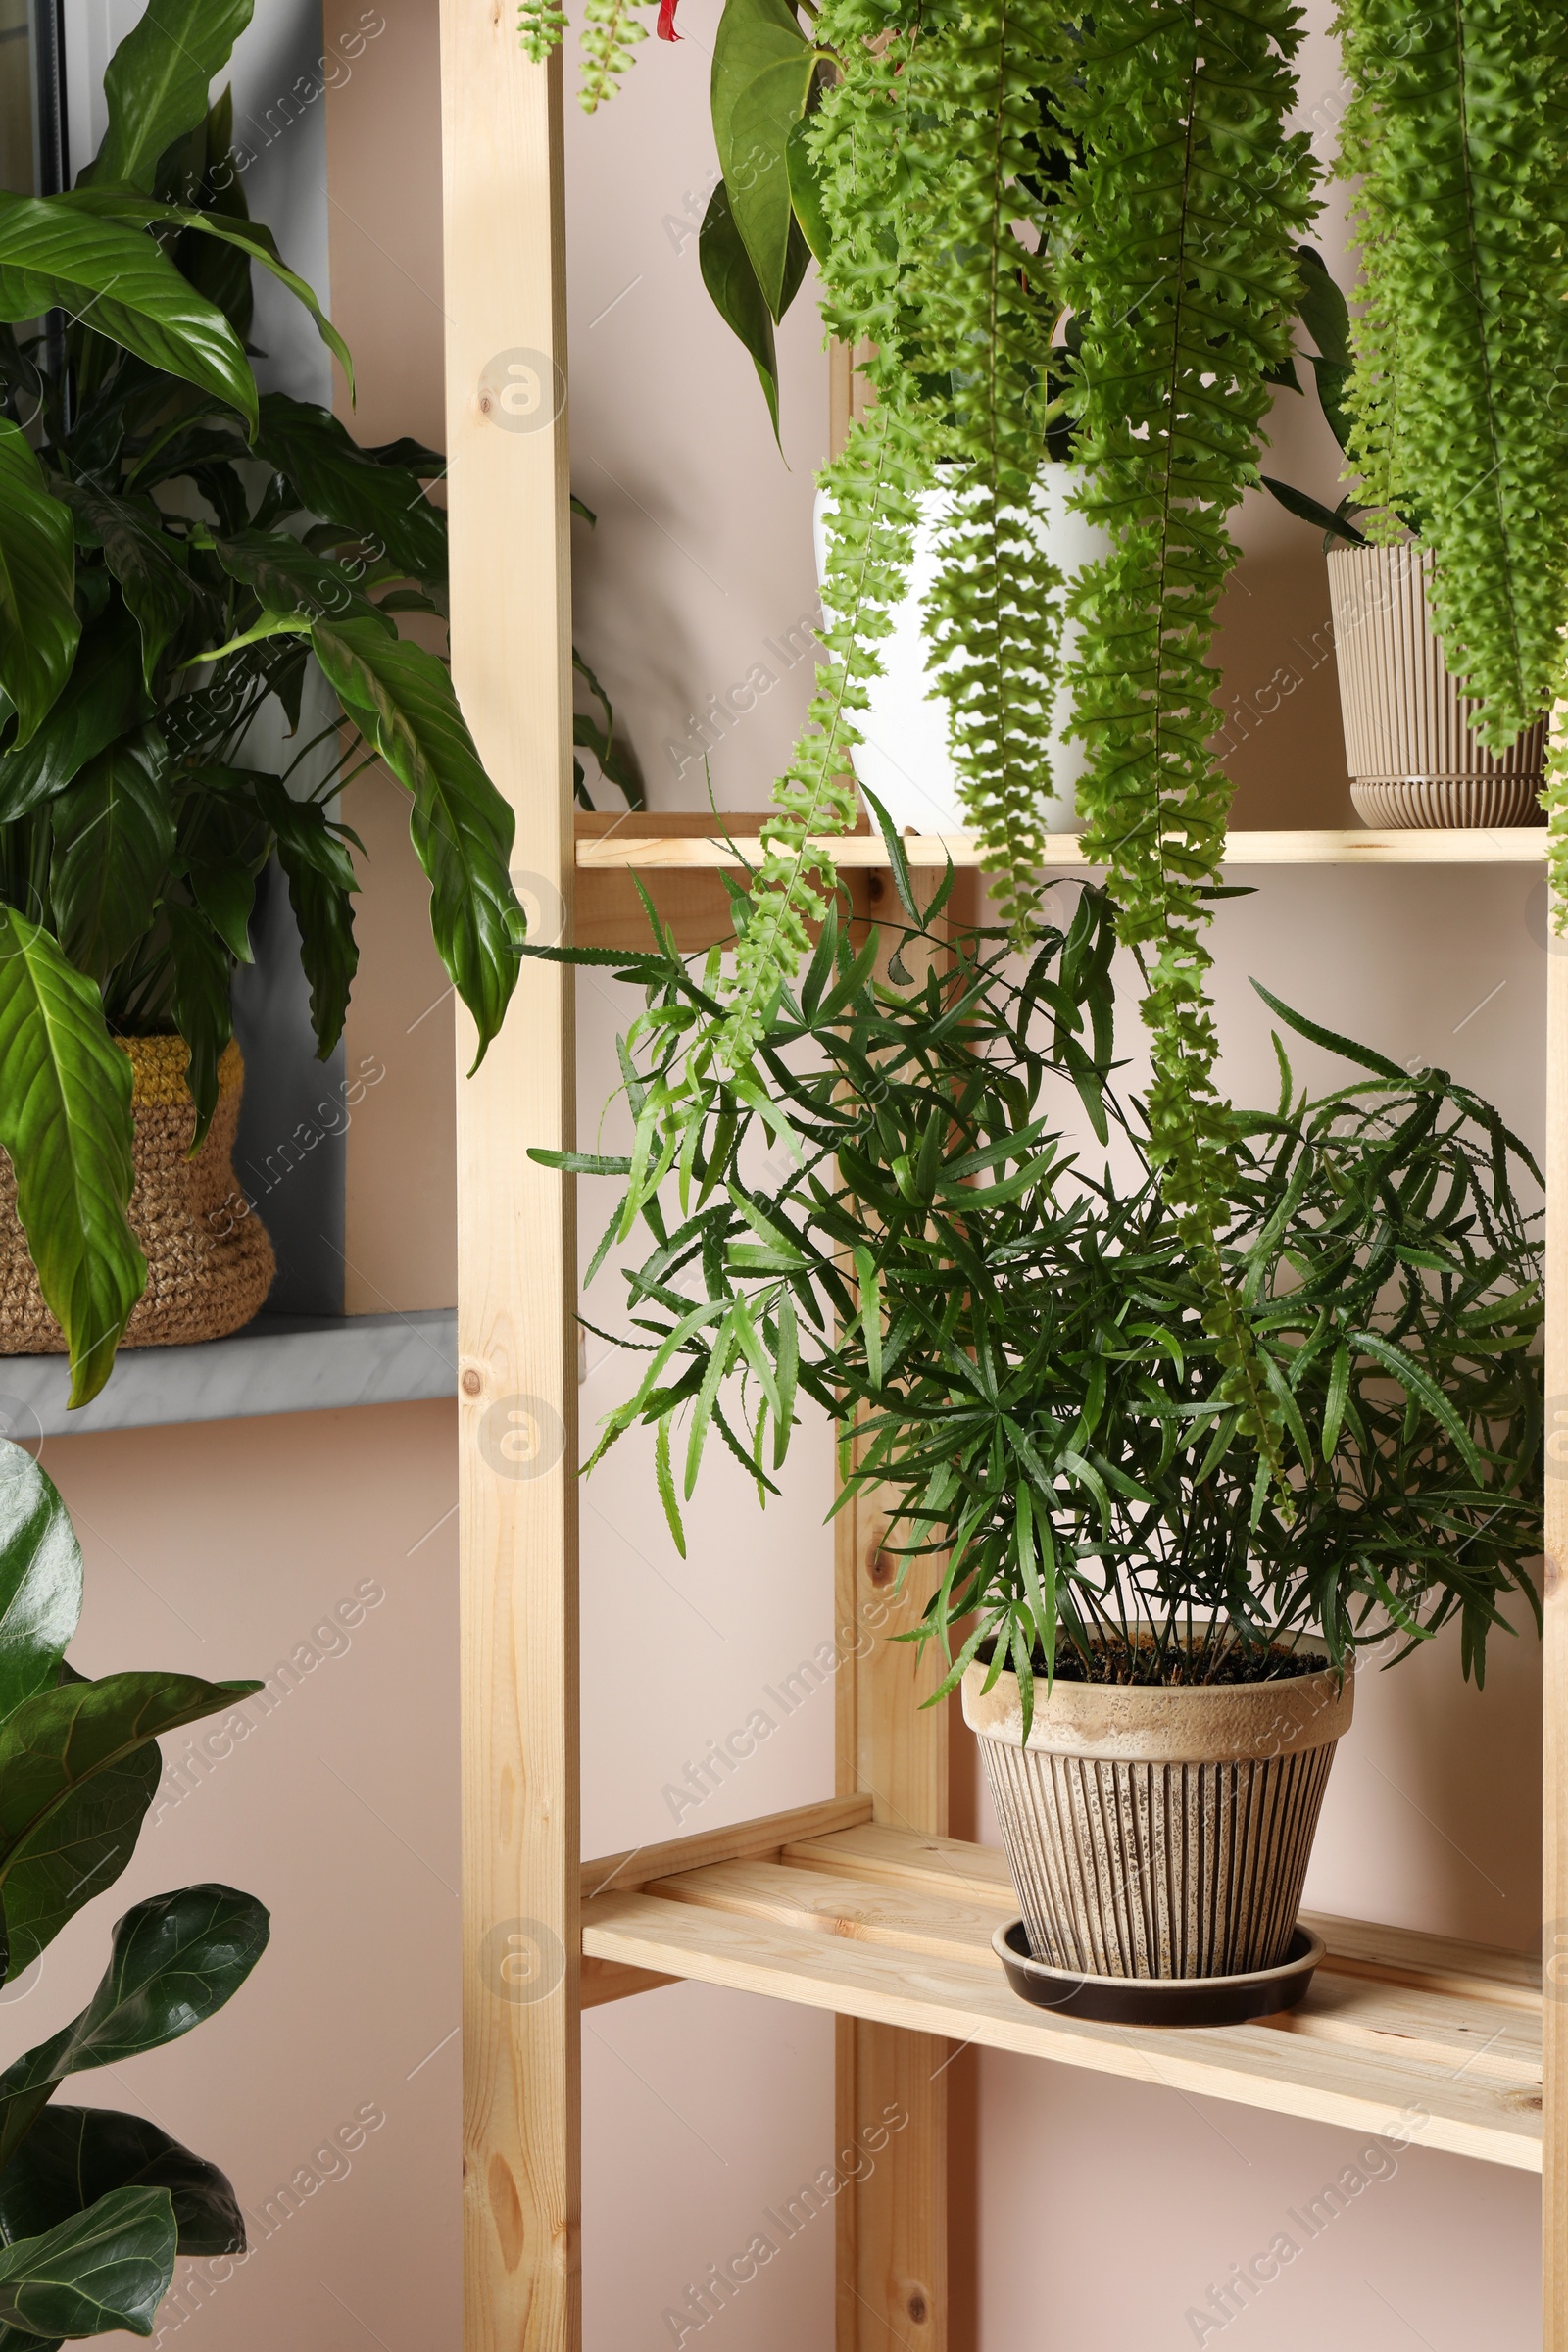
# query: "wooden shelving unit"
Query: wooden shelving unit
1399,2033
644,844
862,1907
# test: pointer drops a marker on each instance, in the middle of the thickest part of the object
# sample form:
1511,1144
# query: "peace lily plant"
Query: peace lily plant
176,550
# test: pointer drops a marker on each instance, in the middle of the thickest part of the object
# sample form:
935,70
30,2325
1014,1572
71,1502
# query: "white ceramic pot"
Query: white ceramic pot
1407,740
1157,1832
904,758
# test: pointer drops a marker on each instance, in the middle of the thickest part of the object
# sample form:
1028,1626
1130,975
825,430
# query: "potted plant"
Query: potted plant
1413,753
1456,400
177,550
1153,1633
95,2205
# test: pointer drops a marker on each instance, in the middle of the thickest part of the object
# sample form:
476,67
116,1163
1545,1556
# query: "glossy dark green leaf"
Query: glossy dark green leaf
1312,510
106,2267
175,1960
286,576
74,2155
113,836
39,622
379,505
59,1741
225,894
104,697
805,192
117,282
157,81
731,282
65,1120
204,1012
77,1852
1332,390
147,561
251,238
401,700
1322,308
321,887
762,70
40,1578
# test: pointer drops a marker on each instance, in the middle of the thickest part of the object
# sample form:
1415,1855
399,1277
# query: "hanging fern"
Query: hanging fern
1185,213
1458,130
610,32
871,542
979,282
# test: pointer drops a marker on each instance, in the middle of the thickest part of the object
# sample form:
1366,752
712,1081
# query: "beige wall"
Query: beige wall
232,1549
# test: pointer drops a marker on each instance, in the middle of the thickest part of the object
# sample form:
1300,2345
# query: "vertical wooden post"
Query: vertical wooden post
892,2251
516,1268
1554,1807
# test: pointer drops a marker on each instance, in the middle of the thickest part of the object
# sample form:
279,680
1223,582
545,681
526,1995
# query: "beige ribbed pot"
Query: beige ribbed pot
1160,1833
1412,758
210,1264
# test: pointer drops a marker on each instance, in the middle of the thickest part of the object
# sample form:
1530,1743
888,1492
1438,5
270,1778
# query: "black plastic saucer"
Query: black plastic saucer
1159,2000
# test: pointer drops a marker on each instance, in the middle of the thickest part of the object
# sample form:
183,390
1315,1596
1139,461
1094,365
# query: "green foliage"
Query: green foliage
1185,214
1043,1406
985,167
175,548
157,85
94,2205
65,1121
1458,132
40,624
871,484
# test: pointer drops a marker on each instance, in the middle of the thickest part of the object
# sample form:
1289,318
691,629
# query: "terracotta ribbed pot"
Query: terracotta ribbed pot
1407,742
210,1264
1160,1833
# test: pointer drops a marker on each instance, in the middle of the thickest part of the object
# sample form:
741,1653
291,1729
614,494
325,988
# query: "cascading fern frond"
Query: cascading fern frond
1458,132
610,32
985,297
871,484
1184,217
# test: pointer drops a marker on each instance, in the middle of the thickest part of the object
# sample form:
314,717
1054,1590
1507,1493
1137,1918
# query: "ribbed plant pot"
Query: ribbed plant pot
208,1261
1412,758
1160,1833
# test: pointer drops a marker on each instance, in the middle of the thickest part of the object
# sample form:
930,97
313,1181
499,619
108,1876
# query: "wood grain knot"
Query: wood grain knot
917,2307
1554,1576
472,1383
506,2207
880,1569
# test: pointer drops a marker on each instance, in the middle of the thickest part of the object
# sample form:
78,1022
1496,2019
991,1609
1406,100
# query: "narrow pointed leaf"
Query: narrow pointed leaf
39,622
66,1124
115,281
401,700
157,81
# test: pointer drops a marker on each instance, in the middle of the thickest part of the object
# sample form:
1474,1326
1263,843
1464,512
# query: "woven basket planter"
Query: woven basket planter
1160,1833
1407,743
208,1261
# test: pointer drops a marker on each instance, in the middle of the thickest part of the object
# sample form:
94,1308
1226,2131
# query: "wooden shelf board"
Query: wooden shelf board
1402,2034
652,844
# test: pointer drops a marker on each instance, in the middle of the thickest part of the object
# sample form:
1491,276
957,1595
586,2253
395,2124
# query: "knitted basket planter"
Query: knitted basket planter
208,1261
